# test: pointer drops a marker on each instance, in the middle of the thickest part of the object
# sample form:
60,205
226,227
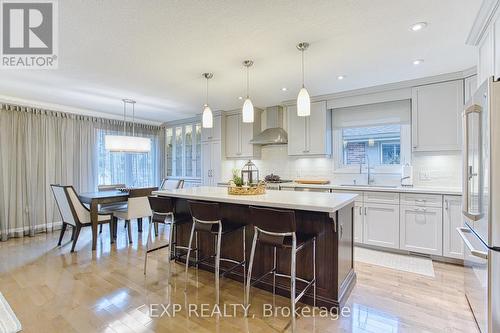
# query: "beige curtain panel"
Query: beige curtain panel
39,148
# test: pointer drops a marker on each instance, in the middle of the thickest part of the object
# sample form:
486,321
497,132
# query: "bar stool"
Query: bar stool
206,218
163,209
277,228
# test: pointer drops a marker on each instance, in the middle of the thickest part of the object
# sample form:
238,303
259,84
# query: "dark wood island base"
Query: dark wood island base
334,255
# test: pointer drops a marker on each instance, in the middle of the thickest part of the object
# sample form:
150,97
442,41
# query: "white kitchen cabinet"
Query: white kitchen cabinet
436,121
470,87
211,154
496,55
214,133
238,136
421,200
358,222
421,229
310,135
453,246
381,225
486,57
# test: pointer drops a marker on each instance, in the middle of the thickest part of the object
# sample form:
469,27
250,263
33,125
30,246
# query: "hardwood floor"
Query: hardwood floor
53,290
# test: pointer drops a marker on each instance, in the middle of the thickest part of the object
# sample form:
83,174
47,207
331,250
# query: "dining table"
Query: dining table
94,199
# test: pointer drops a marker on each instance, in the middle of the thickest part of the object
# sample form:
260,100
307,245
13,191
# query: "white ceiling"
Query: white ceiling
155,51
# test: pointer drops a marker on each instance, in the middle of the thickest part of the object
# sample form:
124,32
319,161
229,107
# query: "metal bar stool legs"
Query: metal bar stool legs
216,255
294,298
168,220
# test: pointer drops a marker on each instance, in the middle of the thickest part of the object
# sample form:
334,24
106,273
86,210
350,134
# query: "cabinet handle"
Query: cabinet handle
365,210
360,212
341,231
446,204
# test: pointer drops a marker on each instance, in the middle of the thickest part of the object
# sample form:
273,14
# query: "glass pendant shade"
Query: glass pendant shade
247,112
303,103
207,119
127,144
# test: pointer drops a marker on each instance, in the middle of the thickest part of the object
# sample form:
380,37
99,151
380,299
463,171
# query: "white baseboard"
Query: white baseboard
20,232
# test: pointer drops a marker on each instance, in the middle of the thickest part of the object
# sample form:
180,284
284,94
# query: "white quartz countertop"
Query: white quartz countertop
309,201
399,189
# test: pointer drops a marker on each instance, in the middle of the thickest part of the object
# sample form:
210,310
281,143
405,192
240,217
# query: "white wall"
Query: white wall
430,169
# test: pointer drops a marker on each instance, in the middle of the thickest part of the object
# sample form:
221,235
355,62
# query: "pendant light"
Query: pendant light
303,99
247,111
124,143
207,118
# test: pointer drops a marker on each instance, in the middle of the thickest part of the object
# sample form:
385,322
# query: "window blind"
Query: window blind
396,112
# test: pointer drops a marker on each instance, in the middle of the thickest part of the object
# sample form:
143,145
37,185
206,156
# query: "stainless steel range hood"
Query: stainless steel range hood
274,134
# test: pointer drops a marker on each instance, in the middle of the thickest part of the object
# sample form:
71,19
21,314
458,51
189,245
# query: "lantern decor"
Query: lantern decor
250,173
248,183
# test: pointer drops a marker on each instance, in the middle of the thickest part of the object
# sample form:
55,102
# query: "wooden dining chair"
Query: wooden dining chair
137,208
75,213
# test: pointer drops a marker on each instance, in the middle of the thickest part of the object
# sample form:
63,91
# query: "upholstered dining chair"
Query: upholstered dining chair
137,208
75,213
109,208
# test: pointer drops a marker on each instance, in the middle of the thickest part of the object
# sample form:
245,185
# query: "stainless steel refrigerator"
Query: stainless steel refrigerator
481,205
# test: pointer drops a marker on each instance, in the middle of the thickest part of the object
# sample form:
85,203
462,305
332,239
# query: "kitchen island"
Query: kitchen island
328,215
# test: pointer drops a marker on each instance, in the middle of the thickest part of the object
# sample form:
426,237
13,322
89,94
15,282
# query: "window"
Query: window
133,170
375,134
184,150
380,144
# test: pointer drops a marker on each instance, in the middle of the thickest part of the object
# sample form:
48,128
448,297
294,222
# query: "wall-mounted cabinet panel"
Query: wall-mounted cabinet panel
214,133
310,135
239,134
496,42
486,57
436,121
421,230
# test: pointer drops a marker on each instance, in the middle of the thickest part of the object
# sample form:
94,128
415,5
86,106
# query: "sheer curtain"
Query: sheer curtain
39,148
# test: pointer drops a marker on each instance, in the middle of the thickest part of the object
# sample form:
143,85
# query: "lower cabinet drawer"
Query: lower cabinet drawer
421,229
391,198
423,200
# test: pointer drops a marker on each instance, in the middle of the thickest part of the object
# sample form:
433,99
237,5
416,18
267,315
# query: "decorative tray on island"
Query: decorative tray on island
247,190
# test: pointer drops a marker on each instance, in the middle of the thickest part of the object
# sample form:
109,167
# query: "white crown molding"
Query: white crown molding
391,86
483,19
69,109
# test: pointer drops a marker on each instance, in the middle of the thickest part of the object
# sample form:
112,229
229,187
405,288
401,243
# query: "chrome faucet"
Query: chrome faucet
368,168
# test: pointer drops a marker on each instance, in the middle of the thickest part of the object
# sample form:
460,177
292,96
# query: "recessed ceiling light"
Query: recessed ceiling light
418,26
340,77
240,97
284,89
418,62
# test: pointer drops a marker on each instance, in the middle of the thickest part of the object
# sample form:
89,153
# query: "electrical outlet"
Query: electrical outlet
424,175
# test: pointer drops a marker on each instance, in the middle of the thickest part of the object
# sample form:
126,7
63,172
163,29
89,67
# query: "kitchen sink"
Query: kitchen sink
371,185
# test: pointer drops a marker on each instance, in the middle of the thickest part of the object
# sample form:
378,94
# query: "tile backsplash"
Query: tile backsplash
441,169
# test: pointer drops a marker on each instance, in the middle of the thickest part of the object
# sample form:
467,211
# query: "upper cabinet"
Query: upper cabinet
214,133
485,36
239,134
436,120
496,41
486,58
310,135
